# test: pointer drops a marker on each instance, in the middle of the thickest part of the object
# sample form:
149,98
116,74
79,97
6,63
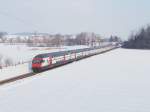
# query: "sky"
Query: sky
105,17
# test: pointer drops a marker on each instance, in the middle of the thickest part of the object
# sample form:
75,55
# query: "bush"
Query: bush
8,62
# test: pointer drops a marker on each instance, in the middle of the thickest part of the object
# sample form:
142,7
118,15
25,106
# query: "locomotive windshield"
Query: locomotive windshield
37,61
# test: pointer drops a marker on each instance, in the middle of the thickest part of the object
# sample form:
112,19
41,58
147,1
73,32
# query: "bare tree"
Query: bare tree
8,62
2,34
81,39
57,40
1,57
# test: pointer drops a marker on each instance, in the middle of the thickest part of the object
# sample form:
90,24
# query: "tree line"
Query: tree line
139,40
83,38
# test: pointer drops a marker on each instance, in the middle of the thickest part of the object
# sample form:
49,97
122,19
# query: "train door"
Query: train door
75,55
64,58
50,60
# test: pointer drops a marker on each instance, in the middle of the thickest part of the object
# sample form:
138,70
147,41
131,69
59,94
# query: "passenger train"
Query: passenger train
47,61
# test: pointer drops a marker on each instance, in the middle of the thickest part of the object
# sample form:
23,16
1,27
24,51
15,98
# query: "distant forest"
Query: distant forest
139,40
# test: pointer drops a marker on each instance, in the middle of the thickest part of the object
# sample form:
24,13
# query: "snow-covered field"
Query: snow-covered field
117,81
14,71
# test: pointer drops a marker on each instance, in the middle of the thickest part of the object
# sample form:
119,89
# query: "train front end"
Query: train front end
36,64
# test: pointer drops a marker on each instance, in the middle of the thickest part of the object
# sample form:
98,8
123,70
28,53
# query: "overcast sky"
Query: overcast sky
105,17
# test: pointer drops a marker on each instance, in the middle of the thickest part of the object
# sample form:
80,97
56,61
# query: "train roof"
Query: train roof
60,53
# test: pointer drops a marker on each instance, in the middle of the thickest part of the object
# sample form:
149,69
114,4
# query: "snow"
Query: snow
13,71
116,81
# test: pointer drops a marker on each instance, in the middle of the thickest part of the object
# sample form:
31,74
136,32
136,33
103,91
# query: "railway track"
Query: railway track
13,79
23,76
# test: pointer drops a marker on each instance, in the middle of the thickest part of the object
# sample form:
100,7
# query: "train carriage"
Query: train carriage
49,60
